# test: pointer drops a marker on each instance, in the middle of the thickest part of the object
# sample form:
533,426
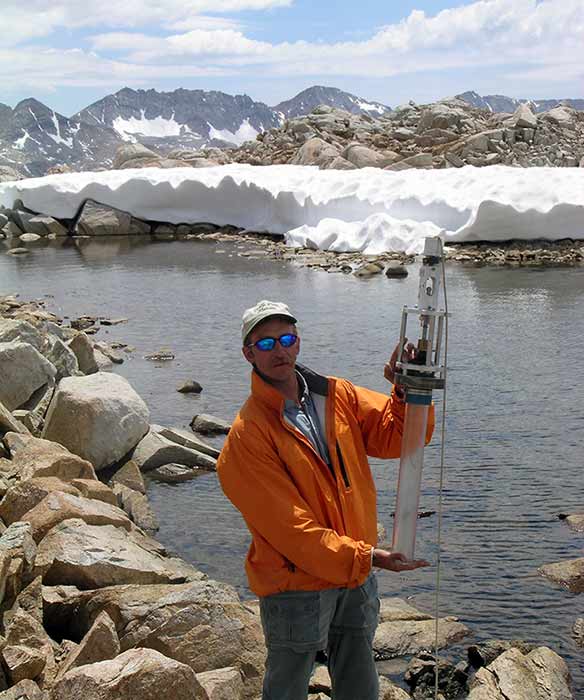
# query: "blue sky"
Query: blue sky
68,53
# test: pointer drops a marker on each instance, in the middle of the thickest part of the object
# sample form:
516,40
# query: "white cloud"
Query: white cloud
527,37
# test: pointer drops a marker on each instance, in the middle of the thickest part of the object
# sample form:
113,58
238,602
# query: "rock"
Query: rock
398,638
389,691
83,350
29,237
8,423
109,353
8,174
155,451
30,599
99,220
394,609
421,677
24,631
420,160
576,521
402,134
315,152
17,548
110,417
25,495
23,370
202,624
369,269
539,675
112,321
339,163
58,506
207,424
222,683
45,226
137,673
63,359
190,387
396,269
477,143
483,654
35,460
363,157
83,323
131,151
136,505
524,117
187,439
440,116
93,556
22,662
99,644
22,331
31,421
130,475
578,631
562,116
160,356
98,491
568,573
25,690
175,473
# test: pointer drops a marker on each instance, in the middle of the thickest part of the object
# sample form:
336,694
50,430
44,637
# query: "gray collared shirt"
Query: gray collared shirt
305,418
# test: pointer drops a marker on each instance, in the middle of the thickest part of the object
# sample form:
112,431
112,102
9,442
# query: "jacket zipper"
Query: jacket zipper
342,466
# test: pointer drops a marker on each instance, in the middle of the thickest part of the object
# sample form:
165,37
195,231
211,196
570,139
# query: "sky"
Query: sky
70,53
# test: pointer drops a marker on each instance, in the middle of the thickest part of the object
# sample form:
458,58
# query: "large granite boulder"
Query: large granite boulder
58,506
84,352
154,451
524,117
38,457
99,644
8,423
12,329
110,417
24,632
100,220
25,495
202,624
23,370
539,675
364,157
139,673
17,561
404,630
93,556
315,151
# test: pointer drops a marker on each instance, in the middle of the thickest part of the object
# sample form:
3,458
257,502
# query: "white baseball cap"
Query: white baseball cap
260,312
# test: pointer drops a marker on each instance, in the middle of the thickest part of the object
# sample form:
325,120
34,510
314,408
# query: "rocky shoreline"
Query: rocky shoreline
94,607
24,231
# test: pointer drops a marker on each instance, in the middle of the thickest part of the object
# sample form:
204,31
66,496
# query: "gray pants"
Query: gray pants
297,624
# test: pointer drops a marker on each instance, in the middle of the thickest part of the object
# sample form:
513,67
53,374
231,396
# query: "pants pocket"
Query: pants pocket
291,619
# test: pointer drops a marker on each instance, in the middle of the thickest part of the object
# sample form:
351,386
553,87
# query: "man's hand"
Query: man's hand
408,353
394,561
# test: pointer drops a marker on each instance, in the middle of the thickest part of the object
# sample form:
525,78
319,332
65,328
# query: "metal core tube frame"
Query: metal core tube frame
418,377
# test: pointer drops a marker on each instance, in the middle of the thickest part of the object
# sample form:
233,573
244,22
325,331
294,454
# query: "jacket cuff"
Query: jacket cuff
363,561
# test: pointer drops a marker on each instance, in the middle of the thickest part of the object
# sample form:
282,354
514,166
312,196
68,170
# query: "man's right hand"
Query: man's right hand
394,561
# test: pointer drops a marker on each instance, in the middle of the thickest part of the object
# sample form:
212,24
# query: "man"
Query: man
295,465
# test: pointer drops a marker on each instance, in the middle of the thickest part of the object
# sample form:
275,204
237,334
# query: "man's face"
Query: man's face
277,364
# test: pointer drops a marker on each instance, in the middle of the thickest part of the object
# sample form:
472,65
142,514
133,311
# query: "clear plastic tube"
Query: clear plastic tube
410,478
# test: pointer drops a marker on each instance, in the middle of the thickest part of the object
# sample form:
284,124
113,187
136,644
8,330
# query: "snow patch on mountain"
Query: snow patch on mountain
246,132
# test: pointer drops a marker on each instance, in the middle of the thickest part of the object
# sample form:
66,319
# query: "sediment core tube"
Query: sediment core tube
410,478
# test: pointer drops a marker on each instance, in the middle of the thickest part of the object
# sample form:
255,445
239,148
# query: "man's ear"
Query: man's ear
247,352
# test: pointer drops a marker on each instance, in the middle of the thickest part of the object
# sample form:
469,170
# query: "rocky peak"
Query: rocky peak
312,97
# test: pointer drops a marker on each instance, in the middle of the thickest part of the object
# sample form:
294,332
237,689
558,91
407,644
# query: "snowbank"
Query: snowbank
369,210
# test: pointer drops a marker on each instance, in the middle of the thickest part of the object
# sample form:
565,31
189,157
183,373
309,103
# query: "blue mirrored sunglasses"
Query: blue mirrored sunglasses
266,344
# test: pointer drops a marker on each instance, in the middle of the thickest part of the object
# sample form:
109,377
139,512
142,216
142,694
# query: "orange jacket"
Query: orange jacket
313,527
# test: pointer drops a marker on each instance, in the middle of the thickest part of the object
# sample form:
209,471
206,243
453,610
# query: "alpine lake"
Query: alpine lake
514,456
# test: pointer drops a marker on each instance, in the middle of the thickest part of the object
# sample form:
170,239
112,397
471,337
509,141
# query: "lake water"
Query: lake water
514,420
